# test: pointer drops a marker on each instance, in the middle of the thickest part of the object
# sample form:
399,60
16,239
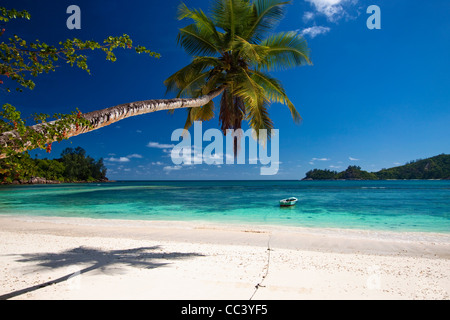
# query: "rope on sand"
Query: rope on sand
259,285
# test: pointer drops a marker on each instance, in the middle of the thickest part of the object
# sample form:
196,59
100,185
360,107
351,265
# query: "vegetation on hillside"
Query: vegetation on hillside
318,174
73,166
437,167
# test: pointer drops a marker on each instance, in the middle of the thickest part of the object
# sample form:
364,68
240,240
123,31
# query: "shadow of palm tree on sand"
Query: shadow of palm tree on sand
108,261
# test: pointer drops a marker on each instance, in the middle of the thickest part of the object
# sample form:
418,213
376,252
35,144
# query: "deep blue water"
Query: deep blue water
381,205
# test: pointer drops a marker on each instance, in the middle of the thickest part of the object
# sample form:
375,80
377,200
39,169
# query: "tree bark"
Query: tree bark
102,118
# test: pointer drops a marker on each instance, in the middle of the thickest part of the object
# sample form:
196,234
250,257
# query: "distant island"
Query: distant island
437,167
72,166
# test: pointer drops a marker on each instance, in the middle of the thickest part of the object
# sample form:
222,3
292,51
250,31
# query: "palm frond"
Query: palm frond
247,88
232,16
252,53
285,50
193,86
266,15
259,119
197,70
204,113
201,20
196,41
255,100
275,92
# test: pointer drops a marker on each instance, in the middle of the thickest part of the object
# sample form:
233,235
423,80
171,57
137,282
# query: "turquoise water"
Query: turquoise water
381,205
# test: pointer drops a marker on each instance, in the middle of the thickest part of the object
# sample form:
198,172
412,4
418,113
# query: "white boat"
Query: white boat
288,202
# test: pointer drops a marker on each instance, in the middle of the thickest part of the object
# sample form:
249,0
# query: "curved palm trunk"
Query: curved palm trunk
102,118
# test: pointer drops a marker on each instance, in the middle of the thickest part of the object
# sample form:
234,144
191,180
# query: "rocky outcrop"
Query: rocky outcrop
36,180
39,180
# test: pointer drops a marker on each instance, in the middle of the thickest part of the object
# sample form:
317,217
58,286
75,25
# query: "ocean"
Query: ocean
420,206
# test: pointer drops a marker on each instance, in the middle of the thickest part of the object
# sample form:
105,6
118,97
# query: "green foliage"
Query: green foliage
355,173
234,47
437,167
6,15
74,165
317,174
49,169
78,166
17,167
351,173
23,136
20,61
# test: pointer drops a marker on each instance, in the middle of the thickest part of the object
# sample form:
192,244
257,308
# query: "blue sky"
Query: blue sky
373,98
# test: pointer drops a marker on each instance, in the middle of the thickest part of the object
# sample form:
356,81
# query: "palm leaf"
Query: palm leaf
252,53
202,22
232,16
191,74
259,119
196,41
266,15
275,92
204,113
255,101
285,50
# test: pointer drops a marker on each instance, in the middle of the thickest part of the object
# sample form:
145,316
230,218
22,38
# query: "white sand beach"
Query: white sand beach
74,258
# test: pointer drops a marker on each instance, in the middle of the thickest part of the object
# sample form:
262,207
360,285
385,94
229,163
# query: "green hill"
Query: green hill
437,167
73,166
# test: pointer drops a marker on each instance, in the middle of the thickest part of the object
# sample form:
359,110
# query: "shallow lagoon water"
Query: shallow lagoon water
422,206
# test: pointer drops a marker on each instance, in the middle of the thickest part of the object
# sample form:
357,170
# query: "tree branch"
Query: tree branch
102,118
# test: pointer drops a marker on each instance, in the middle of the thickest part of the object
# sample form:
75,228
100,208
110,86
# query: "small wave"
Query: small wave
373,187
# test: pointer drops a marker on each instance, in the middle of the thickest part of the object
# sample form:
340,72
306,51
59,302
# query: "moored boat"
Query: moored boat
288,202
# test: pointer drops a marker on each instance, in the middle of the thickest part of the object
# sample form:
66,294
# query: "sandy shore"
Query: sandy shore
73,258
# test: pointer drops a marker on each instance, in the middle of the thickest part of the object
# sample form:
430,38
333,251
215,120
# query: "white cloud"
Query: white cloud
171,168
335,167
194,155
159,145
157,163
187,156
320,159
308,16
134,155
124,159
121,159
352,159
332,9
314,31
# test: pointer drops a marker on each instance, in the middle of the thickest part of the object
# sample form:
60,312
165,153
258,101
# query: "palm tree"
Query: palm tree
232,57
18,142
234,49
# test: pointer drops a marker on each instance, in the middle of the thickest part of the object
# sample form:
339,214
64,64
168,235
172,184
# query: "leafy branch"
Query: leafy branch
21,61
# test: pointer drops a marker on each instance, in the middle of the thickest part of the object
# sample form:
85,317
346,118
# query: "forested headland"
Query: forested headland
437,167
74,165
